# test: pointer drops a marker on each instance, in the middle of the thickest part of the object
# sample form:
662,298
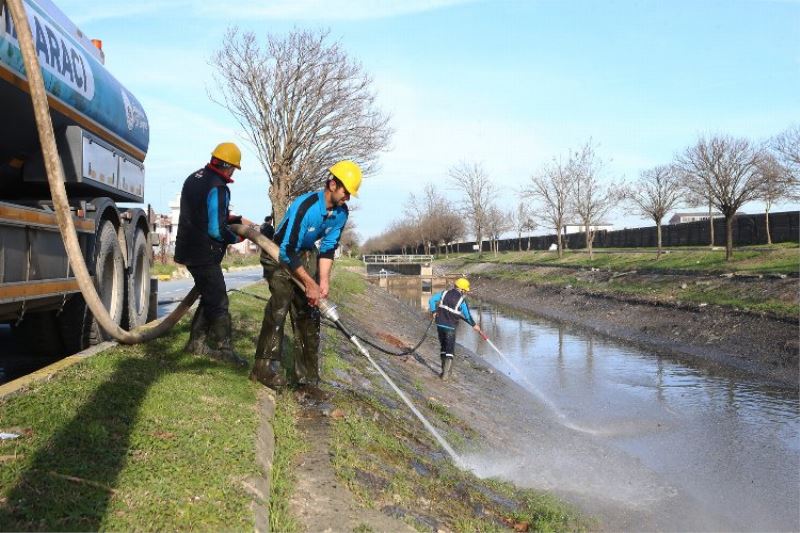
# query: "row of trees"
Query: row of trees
720,172
304,103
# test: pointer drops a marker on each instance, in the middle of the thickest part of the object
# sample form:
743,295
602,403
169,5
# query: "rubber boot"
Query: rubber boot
220,343
447,368
197,334
268,372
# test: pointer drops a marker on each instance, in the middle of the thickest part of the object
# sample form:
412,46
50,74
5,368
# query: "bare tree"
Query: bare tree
350,239
778,184
451,226
497,222
473,181
303,103
728,170
521,220
591,200
657,191
787,146
551,186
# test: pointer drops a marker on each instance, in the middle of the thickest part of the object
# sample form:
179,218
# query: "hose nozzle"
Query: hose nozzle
328,310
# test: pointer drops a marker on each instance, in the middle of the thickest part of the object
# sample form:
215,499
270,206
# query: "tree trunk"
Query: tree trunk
766,223
558,244
658,238
589,241
728,237
711,224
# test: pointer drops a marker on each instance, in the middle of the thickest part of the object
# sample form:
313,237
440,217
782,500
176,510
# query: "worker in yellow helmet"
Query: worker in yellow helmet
448,308
203,237
314,216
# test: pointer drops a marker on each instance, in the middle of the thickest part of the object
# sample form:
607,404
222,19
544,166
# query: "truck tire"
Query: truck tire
137,294
39,335
109,277
75,325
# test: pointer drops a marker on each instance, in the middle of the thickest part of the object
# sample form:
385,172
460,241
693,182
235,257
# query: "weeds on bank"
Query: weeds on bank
136,438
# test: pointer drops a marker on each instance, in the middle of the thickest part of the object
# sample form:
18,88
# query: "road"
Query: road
14,362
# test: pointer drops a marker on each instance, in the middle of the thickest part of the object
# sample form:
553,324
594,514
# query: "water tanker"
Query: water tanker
102,135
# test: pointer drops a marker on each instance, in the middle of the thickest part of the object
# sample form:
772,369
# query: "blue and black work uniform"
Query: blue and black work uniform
306,223
204,235
450,306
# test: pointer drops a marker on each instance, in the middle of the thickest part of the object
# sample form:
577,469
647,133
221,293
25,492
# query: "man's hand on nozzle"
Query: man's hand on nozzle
312,293
324,288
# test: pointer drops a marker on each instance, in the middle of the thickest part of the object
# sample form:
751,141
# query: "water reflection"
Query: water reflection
730,443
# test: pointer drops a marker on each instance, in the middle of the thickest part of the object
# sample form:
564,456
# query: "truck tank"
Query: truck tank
102,130
102,135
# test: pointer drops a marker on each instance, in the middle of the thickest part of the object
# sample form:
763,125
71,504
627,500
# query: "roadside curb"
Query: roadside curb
43,374
265,452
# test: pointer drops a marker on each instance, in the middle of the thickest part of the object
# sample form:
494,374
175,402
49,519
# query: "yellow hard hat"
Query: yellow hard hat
229,153
463,284
349,174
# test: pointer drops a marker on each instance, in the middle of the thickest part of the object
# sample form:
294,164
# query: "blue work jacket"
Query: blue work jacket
307,221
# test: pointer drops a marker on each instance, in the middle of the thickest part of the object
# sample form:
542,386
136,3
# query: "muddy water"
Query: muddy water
646,440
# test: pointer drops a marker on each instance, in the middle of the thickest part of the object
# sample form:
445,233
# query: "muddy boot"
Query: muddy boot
447,368
219,341
268,372
197,334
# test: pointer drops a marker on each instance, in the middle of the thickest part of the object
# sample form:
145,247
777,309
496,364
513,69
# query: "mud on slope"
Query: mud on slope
747,342
383,453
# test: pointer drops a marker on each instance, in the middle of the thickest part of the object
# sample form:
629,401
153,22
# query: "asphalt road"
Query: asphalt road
15,362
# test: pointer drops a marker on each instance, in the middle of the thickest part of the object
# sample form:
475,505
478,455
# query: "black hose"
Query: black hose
339,326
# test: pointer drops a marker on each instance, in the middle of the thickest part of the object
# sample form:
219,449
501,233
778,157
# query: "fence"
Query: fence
747,230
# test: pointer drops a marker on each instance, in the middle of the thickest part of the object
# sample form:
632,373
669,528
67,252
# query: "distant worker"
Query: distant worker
203,237
314,216
267,230
448,307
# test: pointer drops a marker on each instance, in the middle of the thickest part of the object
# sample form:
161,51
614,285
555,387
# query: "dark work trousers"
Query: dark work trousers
447,342
211,283
287,297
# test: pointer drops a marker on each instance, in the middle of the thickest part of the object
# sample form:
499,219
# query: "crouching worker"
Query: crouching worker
450,306
314,216
203,237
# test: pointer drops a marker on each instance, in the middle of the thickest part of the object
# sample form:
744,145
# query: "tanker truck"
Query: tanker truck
102,135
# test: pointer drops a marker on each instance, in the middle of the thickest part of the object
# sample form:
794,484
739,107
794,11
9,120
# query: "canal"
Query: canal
719,452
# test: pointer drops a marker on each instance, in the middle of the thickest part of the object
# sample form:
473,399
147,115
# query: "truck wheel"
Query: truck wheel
109,276
39,334
138,282
75,324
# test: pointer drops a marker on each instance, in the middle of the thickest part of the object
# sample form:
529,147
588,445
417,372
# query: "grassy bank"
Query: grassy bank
637,275
391,463
776,259
230,261
136,438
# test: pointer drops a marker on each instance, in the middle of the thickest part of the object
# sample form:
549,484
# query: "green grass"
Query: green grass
135,438
288,445
781,258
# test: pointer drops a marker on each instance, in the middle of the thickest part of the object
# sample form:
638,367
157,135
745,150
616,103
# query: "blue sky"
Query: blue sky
509,84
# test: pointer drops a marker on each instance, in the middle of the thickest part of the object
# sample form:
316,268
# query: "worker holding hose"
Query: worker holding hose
450,306
203,237
314,216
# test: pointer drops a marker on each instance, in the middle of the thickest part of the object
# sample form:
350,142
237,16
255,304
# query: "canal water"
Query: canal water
721,452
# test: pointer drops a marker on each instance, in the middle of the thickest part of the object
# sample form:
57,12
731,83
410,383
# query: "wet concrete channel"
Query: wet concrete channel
688,447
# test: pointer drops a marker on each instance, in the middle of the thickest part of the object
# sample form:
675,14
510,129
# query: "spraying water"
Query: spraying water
542,398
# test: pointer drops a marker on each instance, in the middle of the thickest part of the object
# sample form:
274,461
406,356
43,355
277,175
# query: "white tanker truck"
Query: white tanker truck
102,137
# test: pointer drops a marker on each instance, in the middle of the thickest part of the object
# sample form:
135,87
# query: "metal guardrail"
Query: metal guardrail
379,259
